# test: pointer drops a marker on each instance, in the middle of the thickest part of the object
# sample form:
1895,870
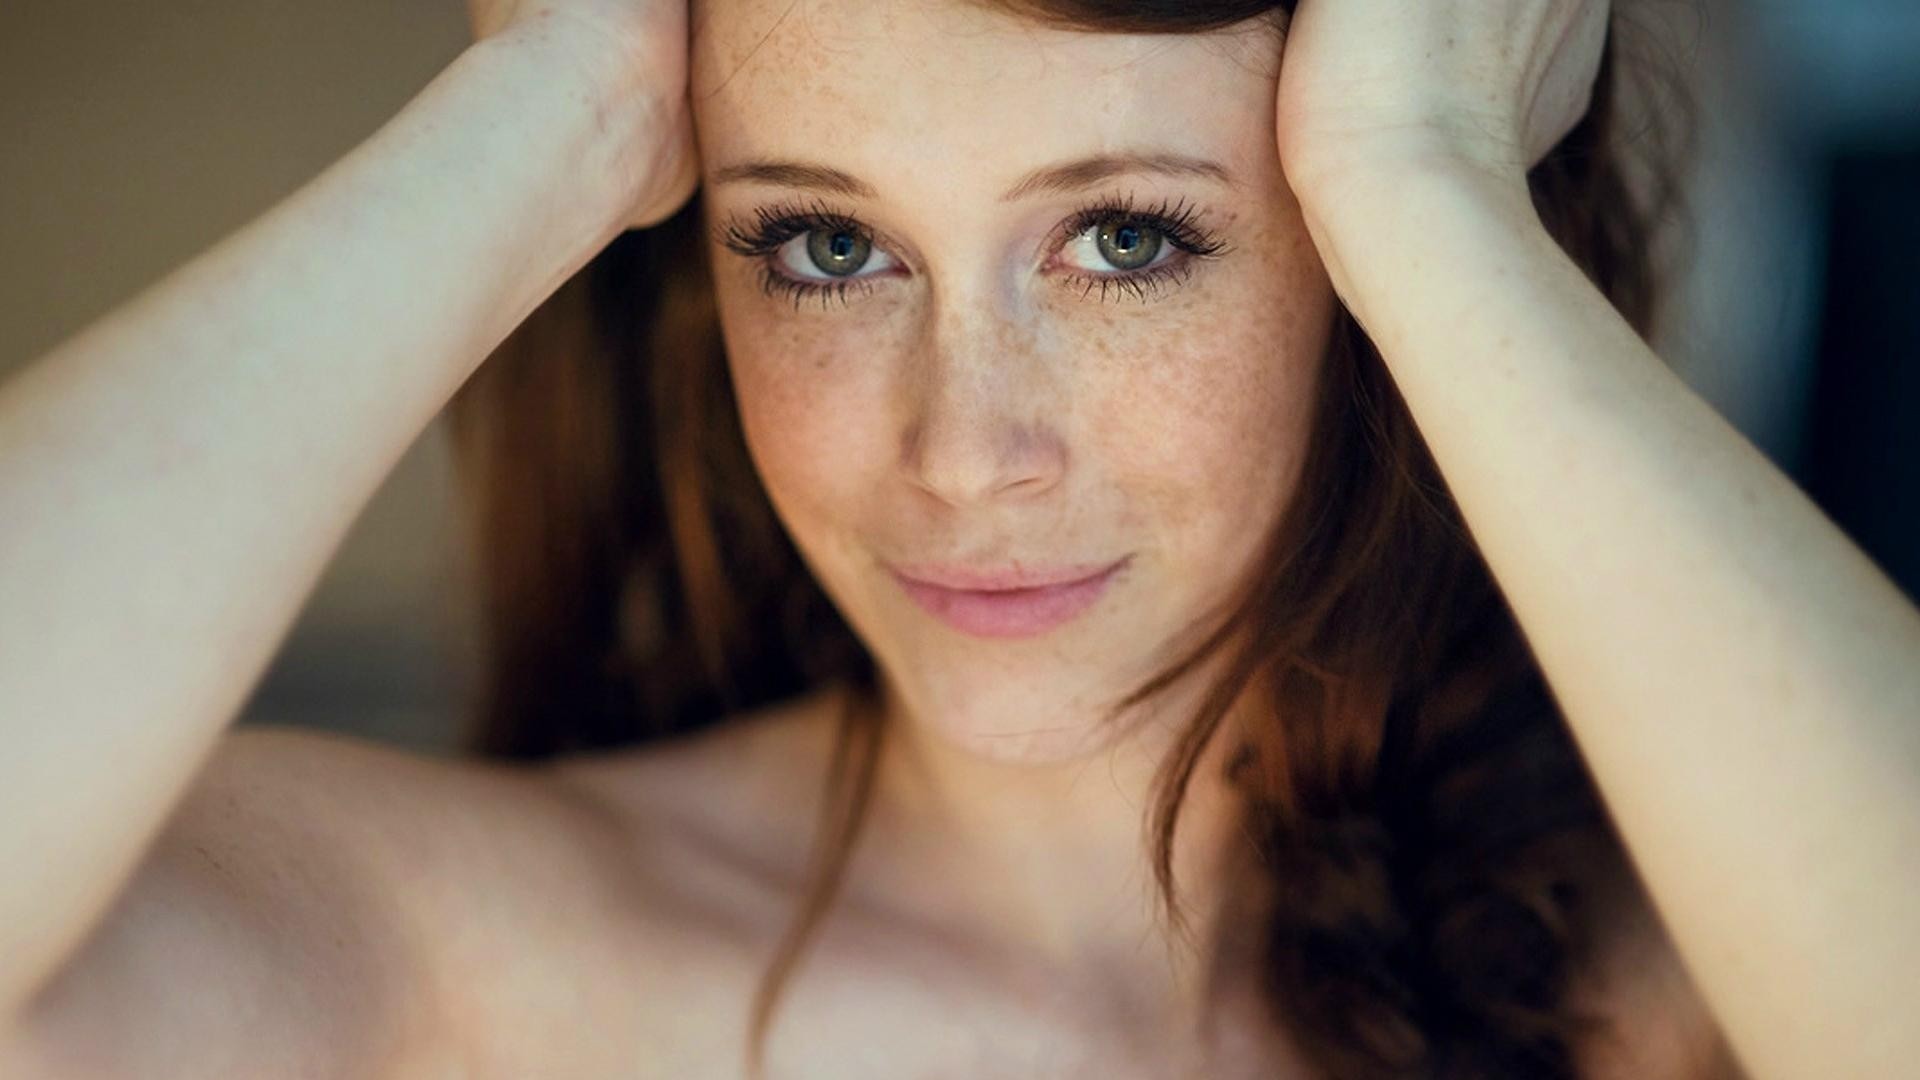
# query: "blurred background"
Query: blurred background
133,136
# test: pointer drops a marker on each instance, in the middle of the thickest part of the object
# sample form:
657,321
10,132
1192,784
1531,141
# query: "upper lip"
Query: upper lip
999,579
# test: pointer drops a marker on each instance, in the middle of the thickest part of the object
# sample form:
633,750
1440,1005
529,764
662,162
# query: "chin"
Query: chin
1029,718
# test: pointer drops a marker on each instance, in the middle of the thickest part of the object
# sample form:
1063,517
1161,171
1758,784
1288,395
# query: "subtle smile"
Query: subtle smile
1006,604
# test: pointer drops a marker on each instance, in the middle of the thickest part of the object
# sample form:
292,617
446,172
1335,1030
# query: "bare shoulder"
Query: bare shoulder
697,848
343,907
278,891
724,815
546,918
472,917
741,770
552,915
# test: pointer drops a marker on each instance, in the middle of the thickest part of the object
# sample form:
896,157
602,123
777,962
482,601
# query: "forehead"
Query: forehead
950,92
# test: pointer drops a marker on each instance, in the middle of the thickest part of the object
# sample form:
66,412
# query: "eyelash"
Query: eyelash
773,226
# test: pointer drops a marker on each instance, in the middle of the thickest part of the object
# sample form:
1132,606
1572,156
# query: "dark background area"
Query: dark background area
1862,462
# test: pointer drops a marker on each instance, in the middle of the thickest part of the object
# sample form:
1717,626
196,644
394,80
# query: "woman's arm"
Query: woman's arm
1743,681
173,479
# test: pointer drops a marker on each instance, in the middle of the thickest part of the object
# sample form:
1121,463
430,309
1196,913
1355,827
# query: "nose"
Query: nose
984,415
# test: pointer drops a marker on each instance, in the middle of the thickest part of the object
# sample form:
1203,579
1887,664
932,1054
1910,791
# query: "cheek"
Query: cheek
808,394
1210,429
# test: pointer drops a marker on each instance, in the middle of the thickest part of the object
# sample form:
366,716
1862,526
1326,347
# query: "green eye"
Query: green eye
839,252
1128,245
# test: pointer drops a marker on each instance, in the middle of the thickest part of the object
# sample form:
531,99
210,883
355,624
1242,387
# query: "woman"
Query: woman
1055,443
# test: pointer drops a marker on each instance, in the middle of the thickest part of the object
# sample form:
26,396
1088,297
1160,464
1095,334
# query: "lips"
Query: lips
1009,602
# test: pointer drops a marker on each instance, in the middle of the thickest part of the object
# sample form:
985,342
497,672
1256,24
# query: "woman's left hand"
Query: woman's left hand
1367,85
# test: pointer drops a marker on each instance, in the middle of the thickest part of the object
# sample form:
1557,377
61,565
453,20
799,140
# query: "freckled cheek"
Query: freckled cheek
813,406
1207,431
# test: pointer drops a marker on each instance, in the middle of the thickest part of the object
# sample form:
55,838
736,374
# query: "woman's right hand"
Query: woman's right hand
640,45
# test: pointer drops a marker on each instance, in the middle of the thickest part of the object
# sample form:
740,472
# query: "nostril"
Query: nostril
968,463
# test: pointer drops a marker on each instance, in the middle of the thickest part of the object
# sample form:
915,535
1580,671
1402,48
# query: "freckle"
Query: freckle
208,855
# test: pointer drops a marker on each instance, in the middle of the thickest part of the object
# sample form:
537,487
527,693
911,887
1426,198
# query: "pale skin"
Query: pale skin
1712,638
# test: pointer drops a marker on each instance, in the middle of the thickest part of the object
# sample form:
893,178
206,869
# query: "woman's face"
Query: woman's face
1007,306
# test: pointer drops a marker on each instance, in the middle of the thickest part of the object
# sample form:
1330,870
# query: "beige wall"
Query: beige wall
133,135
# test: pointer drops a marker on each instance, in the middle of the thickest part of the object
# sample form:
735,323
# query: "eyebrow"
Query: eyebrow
1064,178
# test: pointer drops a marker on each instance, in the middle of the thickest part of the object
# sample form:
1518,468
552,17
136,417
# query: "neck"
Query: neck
1052,863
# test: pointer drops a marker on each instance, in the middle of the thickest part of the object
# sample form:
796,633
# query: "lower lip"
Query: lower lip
1010,613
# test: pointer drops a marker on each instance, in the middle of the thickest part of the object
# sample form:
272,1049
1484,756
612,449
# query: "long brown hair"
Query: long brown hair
1435,844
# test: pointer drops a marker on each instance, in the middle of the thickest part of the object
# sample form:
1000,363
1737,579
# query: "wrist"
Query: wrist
1329,162
1375,218
624,137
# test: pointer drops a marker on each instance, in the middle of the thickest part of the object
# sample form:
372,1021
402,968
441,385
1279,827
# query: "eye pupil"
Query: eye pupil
1128,246
840,252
